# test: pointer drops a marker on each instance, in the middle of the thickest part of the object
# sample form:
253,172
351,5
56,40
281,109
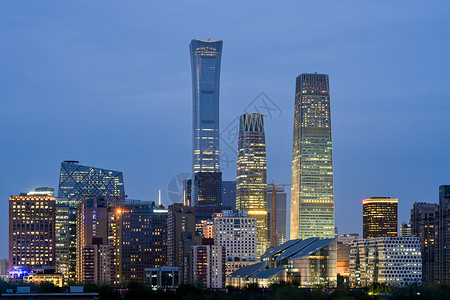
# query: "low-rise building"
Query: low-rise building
163,277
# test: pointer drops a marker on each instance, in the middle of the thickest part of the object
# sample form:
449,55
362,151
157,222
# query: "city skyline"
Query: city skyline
378,86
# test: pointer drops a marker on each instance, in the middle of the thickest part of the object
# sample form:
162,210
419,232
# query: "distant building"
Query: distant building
424,223
163,277
4,265
229,194
348,238
31,230
312,196
180,230
405,230
343,259
75,182
37,278
309,262
281,227
95,256
138,230
380,217
251,177
187,192
237,234
443,235
208,264
387,260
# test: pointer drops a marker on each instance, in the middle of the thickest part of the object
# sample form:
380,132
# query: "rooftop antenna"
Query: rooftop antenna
209,39
159,200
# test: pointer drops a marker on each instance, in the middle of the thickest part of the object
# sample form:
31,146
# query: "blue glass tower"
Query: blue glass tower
205,63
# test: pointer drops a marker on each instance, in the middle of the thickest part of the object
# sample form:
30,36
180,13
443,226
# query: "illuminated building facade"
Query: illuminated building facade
385,260
443,235
251,178
31,230
75,182
280,231
237,234
95,257
205,63
138,231
312,198
380,217
208,264
424,225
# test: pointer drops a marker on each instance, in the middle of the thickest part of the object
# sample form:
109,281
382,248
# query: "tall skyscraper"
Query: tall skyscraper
251,179
424,224
380,217
205,63
207,189
443,235
31,230
75,182
279,234
312,198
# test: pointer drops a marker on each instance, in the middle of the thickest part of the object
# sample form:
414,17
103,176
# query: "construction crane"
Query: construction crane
273,241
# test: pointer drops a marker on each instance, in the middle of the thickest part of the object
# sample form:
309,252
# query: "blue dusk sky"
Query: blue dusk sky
108,83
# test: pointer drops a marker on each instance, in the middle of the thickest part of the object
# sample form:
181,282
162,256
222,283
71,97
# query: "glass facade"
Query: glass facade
380,217
205,63
312,198
207,188
251,178
75,182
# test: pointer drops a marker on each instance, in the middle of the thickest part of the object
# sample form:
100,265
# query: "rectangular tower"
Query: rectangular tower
312,198
31,230
380,217
251,177
279,234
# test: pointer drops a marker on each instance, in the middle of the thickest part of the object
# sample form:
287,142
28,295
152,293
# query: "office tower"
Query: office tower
31,230
312,198
207,189
180,235
138,231
95,257
229,194
348,238
75,182
237,234
424,225
251,178
405,230
380,217
443,235
205,64
187,192
279,234
385,260
208,264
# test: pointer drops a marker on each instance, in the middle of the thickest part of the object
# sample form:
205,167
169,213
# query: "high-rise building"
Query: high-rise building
187,192
405,230
229,194
279,234
237,234
388,260
380,217
251,178
312,198
180,235
424,225
205,63
95,257
207,189
75,182
208,264
443,235
31,230
138,231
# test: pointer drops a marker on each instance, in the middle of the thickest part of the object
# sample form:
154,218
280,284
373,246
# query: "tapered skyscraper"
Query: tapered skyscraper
312,200
251,179
205,63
